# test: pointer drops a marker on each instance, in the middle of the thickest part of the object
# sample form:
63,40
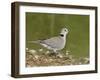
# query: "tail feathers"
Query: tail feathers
38,41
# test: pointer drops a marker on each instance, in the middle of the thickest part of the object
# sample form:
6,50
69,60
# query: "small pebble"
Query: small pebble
47,52
60,56
87,59
26,49
32,51
67,53
28,65
80,63
36,56
40,50
50,59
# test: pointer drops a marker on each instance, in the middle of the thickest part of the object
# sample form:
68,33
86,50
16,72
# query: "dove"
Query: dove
54,43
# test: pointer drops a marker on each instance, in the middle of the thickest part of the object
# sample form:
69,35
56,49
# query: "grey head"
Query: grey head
64,32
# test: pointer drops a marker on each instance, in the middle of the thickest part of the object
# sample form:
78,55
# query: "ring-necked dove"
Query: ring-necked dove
54,43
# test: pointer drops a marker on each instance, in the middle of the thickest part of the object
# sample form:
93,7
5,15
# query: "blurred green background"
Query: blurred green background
46,25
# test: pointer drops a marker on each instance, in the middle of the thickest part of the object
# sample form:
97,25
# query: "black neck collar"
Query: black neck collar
61,35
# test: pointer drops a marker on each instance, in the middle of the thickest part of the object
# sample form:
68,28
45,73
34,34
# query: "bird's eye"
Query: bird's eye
65,30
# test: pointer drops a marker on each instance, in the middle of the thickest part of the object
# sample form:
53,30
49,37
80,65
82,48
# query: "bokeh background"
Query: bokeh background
46,25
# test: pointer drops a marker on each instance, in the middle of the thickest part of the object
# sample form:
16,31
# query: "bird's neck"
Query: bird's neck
63,36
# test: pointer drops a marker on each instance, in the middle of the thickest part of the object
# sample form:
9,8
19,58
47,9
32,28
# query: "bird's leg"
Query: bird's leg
55,51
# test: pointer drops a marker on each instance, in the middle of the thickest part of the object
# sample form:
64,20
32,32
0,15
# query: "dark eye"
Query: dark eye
65,30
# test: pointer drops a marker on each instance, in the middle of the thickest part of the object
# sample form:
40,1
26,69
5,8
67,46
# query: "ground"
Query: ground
40,58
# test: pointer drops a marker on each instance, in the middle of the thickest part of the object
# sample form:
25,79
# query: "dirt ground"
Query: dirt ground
40,58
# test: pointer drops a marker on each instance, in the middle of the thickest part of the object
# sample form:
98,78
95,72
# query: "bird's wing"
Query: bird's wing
54,42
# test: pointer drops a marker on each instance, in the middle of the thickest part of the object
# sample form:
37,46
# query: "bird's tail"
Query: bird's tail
38,41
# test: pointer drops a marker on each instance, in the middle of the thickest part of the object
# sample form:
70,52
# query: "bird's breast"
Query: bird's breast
61,43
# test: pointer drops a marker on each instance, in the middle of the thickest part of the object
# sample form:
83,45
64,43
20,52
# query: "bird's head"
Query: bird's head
64,32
